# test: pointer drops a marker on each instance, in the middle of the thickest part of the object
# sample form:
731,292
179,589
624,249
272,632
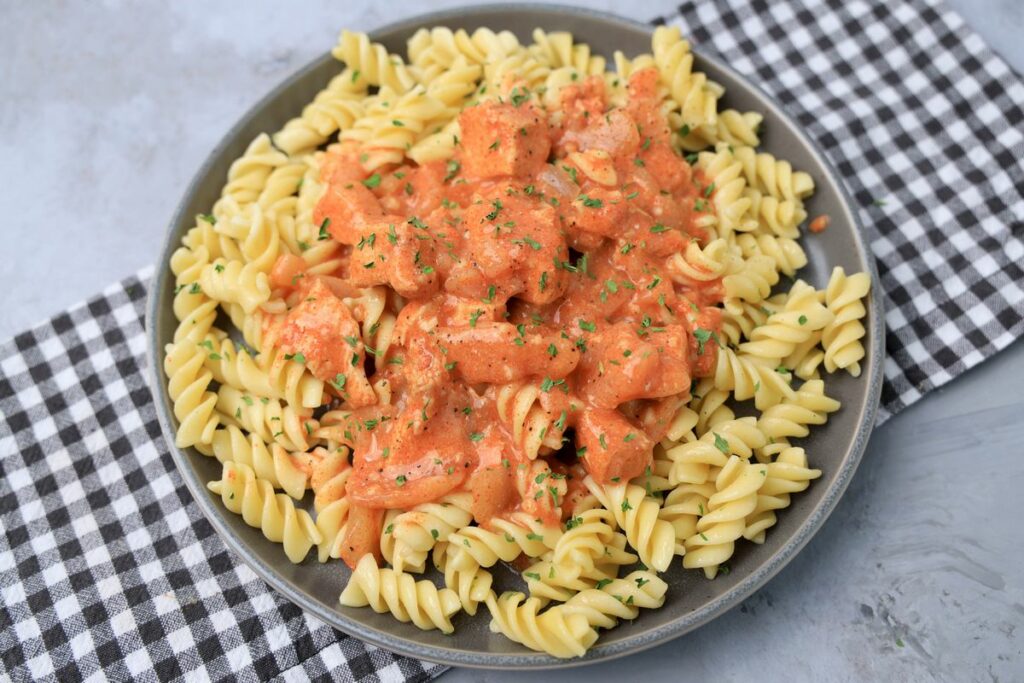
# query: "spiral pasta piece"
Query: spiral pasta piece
520,534
589,543
470,581
617,599
272,375
692,462
690,89
774,177
327,479
205,235
556,632
435,49
416,531
782,332
334,108
806,357
235,282
683,506
387,134
534,429
258,243
752,377
637,515
245,494
371,63
774,216
788,474
788,254
248,175
267,418
559,49
273,464
731,128
727,186
519,67
791,417
188,388
709,404
196,312
844,297
386,590
750,280
700,264
735,498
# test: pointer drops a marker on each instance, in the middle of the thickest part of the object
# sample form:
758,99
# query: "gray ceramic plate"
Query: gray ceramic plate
692,600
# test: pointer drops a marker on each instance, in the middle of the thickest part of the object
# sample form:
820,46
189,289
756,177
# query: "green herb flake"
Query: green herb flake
721,443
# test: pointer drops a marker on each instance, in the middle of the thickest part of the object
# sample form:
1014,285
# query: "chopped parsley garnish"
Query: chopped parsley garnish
209,218
297,357
452,169
494,145
629,437
400,480
626,505
588,326
552,350
323,230
497,209
603,442
476,436
591,202
658,228
721,443
684,130
474,316
372,181
802,320
339,382
702,336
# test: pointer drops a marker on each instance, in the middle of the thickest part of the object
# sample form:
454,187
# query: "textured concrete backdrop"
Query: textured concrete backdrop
109,108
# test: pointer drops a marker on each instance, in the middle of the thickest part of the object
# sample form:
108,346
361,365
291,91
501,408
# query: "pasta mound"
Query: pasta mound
498,303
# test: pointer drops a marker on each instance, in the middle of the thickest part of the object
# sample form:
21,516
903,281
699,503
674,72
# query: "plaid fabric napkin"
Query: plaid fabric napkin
107,567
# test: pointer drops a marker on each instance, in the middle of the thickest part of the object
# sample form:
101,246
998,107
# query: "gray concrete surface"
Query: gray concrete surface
915,577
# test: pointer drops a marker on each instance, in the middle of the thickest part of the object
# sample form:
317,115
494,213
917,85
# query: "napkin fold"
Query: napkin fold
106,563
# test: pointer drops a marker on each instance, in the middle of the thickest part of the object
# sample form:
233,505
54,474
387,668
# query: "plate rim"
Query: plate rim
681,625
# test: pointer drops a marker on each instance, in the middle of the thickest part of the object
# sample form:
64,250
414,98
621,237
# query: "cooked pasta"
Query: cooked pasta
254,499
388,590
509,301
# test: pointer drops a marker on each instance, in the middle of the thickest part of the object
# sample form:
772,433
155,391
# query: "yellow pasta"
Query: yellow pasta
716,472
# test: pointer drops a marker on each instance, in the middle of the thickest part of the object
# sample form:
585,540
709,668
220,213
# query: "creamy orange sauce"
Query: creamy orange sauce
515,266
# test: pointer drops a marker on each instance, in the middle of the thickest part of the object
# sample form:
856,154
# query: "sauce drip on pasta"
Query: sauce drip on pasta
541,334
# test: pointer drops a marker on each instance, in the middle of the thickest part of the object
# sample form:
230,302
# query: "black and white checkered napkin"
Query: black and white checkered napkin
107,568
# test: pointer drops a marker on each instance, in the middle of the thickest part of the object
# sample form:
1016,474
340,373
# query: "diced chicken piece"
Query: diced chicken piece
616,450
496,353
503,140
348,209
621,365
515,237
322,329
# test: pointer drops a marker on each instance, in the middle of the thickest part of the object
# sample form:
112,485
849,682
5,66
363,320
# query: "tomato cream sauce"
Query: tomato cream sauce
538,256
